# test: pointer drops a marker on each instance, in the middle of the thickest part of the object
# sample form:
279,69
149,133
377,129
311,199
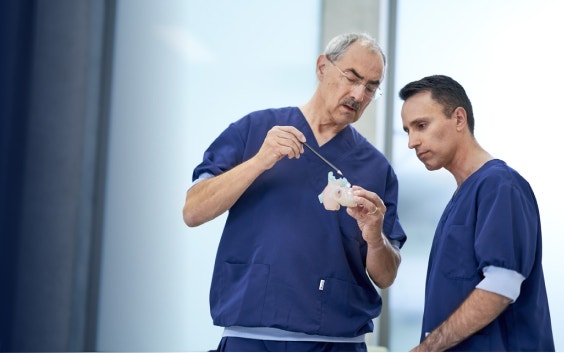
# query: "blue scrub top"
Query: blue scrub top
283,260
493,219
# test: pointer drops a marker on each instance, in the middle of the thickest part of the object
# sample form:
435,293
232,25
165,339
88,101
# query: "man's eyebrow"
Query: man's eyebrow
414,123
373,82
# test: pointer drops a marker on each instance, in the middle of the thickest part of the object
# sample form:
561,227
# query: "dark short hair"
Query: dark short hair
445,91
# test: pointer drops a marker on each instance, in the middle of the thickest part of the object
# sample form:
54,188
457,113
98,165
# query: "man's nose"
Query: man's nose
412,141
358,92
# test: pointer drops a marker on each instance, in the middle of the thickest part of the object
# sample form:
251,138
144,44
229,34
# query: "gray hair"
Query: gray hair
339,45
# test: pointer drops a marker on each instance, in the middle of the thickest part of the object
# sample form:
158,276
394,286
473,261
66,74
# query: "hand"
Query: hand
369,213
382,259
280,142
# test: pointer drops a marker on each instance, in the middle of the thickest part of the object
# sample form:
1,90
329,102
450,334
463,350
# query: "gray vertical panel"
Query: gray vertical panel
353,16
384,335
391,35
363,16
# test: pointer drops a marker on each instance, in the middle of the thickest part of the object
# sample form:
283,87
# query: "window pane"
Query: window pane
511,67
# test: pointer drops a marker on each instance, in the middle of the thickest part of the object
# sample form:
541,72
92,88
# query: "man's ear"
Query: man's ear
321,66
460,115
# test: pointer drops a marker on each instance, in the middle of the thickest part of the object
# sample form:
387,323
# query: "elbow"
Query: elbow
190,217
190,222
385,283
383,280
192,211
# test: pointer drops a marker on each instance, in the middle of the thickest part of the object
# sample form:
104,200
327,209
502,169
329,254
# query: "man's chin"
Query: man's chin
431,167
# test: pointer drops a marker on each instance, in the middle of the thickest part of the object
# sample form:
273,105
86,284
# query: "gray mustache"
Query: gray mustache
351,102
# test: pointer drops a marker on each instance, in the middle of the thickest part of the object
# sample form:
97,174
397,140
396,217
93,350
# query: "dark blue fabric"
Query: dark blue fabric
237,344
492,220
279,242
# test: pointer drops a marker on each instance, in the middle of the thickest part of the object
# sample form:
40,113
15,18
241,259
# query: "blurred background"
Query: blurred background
108,105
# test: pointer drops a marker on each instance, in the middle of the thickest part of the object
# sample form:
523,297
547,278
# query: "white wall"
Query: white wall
508,55
183,71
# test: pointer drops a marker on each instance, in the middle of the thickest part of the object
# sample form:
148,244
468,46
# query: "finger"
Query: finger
297,134
289,143
367,195
296,137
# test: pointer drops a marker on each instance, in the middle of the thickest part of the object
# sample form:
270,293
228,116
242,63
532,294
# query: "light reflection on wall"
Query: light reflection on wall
184,70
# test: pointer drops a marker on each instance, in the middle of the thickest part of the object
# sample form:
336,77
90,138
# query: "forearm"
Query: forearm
382,262
477,311
212,197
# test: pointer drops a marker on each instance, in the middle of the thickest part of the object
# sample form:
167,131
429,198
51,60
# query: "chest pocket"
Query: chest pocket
458,258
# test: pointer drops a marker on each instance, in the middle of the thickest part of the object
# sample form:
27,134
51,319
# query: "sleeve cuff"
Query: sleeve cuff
200,178
502,281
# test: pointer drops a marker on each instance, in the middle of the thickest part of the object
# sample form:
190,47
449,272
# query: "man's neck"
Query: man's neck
320,123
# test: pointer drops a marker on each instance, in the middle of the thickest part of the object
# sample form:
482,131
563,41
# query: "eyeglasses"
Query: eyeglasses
371,91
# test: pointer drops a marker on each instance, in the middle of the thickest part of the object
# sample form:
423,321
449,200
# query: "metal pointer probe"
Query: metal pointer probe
324,160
